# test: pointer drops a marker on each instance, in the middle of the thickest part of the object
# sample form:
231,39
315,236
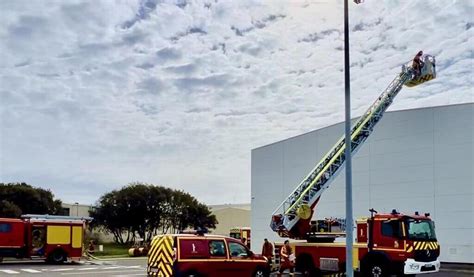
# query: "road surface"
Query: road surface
130,267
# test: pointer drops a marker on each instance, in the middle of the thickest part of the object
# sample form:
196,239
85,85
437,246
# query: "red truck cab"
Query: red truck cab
12,237
407,242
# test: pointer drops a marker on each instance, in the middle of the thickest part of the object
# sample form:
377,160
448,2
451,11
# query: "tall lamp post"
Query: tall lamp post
348,140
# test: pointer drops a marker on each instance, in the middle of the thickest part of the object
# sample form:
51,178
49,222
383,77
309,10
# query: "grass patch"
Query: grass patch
112,249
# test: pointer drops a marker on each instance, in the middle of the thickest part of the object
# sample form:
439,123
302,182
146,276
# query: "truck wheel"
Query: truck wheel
376,269
260,272
57,257
305,265
191,274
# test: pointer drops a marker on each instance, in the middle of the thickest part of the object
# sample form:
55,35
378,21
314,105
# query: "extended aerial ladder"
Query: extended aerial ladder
292,218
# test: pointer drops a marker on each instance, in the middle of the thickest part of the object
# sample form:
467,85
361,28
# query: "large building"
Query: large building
230,216
76,209
415,160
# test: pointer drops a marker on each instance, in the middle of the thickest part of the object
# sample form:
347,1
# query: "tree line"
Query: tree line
146,210
20,198
136,210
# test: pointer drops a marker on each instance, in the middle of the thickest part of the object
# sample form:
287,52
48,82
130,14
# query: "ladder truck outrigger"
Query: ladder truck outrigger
386,244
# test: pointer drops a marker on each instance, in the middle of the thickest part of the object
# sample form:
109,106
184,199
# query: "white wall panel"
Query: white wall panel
403,174
415,160
457,184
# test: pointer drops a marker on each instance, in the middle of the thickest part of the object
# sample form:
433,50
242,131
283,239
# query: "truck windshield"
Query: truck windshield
235,235
420,229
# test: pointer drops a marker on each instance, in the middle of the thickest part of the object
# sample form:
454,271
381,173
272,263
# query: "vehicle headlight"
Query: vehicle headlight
414,267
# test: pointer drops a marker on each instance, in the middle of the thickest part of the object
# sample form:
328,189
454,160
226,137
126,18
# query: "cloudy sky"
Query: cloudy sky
97,94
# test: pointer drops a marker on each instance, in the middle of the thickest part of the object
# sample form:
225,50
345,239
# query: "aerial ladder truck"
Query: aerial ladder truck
404,251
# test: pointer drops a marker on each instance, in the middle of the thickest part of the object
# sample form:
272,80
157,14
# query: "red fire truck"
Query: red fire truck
386,243
241,233
53,238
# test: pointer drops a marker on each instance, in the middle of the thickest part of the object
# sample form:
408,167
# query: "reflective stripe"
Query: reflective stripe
423,245
161,256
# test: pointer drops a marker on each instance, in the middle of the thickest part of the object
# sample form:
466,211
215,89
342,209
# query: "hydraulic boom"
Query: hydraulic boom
292,218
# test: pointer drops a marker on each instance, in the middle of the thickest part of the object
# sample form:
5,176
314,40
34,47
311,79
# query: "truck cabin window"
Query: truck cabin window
392,228
235,235
217,248
420,229
5,227
237,250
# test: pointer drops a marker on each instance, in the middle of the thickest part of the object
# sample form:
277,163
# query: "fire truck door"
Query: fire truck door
240,262
390,234
38,240
12,234
77,236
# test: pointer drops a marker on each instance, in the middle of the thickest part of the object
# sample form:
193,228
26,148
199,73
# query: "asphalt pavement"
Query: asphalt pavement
128,267
124,267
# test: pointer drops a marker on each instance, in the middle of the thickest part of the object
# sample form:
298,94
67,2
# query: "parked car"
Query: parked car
186,255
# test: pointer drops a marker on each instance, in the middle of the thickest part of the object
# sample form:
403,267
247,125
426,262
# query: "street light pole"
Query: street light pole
347,84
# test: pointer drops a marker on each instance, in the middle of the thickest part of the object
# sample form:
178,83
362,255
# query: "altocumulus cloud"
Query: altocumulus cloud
96,94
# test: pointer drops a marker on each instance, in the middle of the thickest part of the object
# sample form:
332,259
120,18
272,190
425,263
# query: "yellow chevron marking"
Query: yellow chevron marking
427,245
164,270
154,245
162,245
167,258
161,255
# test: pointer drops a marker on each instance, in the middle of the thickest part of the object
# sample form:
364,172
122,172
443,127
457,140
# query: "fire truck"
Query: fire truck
55,239
241,233
390,243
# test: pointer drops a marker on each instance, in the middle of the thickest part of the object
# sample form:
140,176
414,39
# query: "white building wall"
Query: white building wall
415,160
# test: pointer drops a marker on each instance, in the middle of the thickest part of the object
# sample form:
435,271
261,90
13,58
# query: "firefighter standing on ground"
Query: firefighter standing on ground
285,253
267,250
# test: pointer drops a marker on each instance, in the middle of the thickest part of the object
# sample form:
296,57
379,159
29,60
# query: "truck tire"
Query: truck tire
377,268
192,274
58,256
260,272
305,266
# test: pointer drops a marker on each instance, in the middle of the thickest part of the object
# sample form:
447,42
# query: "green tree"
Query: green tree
21,198
9,209
146,210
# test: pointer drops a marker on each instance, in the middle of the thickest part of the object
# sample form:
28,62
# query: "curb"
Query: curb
105,258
